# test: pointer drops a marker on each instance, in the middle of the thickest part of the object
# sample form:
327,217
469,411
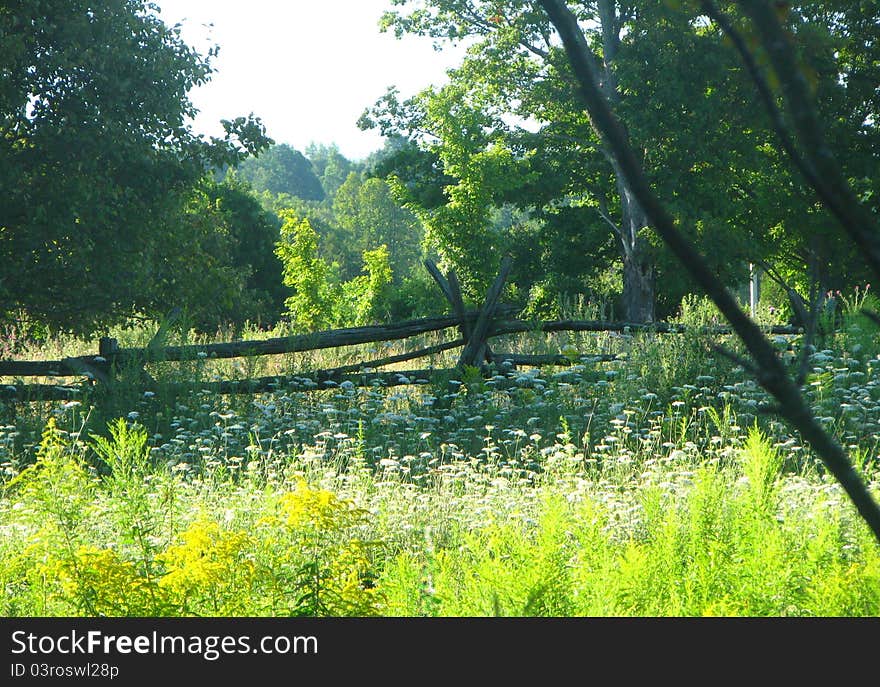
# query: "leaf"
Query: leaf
160,338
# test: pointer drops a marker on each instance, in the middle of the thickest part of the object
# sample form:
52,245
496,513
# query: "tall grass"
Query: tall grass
690,537
650,486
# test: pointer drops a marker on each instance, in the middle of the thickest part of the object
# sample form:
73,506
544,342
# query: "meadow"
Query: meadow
655,485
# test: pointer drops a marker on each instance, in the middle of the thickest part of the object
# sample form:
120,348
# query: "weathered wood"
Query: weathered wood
514,326
39,392
458,310
98,372
75,366
68,367
451,289
476,329
474,352
309,382
306,382
442,282
390,360
293,344
34,368
458,306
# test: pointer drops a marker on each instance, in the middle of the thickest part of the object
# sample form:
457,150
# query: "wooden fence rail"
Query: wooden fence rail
475,329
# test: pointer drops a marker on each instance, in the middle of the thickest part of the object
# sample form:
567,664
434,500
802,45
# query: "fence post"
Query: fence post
108,347
476,350
452,291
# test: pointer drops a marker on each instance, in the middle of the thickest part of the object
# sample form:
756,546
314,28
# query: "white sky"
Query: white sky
308,68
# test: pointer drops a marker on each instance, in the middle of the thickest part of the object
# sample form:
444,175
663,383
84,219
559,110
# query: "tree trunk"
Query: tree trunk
638,266
754,289
638,288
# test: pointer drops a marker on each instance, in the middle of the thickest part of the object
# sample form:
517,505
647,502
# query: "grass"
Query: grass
653,486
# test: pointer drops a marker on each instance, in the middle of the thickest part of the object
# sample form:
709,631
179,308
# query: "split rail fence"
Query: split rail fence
114,365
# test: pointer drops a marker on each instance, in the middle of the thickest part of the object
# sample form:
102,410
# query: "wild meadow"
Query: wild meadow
623,156
656,485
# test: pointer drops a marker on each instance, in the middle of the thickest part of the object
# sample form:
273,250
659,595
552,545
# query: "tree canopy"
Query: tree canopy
509,129
98,164
282,169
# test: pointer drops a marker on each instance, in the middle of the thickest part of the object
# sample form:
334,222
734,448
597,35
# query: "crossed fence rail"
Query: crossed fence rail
475,329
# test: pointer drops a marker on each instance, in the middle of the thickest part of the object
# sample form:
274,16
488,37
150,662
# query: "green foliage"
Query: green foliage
698,311
592,490
231,240
416,296
762,465
281,169
860,331
96,164
331,167
367,295
684,98
358,214
254,233
301,555
320,300
325,568
367,212
703,552
307,274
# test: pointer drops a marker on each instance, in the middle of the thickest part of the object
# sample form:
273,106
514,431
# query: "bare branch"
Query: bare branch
771,372
603,213
801,311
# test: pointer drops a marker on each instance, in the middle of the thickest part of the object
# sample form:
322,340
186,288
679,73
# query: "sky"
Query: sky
307,68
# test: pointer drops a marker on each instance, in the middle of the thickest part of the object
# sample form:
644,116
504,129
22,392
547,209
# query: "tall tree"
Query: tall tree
767,366
306,273
282,169
254,233
514,93
368,212
331,166
96,157
512,58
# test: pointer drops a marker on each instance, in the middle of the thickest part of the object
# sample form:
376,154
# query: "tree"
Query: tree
331,166
365,298
766,364
97,162
282,169
306,273
321,299
513,93
419,170
505,73
368,212
254,233
219,266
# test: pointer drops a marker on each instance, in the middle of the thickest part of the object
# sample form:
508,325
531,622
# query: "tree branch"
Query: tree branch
772,374
603,213
828,181
764,91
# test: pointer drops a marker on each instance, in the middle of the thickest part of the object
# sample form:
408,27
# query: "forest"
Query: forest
704,166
